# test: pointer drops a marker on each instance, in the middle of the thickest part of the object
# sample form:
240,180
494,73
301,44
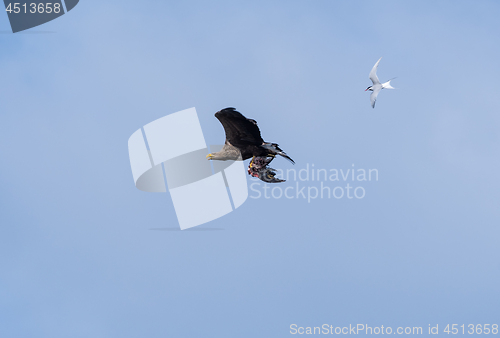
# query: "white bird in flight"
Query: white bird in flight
377,86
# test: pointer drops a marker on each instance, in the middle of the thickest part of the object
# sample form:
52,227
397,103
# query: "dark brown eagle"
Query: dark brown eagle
243,141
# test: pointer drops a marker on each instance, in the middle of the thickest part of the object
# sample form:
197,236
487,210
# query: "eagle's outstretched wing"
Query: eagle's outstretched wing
240,131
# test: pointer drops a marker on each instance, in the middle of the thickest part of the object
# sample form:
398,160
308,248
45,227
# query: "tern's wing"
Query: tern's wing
373,96
373,73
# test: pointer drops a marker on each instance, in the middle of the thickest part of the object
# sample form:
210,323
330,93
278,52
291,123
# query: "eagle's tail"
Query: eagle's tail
286,156
275,149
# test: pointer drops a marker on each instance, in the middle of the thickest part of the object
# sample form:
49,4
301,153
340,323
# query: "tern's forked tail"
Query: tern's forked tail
387,85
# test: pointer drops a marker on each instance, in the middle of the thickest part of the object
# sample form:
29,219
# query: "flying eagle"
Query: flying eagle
243,141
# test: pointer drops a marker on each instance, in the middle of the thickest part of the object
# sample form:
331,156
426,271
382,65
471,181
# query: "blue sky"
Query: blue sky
78,257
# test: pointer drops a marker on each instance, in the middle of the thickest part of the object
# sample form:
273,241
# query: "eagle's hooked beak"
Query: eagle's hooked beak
209,156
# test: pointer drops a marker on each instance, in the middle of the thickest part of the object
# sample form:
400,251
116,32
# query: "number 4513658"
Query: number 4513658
471,329
34,8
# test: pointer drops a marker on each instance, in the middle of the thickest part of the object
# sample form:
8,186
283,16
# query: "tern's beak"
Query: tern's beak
366,89
209,156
